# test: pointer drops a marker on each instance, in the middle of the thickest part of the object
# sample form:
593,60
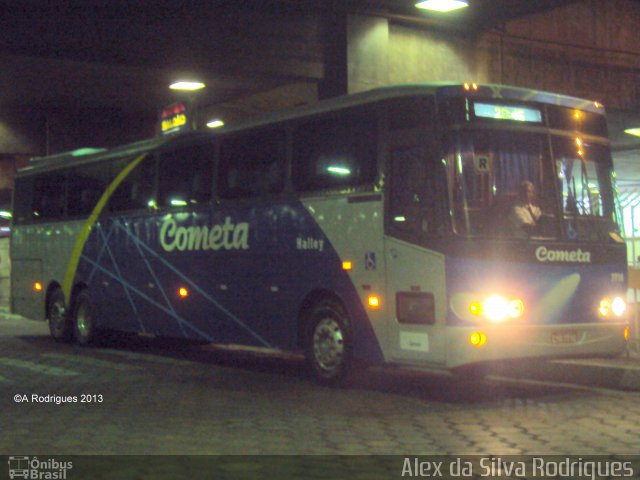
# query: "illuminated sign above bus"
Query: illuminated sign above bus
507,112
174,118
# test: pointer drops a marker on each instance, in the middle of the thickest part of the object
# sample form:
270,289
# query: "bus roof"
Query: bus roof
440,90
91,155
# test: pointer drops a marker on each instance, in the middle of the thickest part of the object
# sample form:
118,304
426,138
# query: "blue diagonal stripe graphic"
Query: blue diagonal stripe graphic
102,250
119,275
158,283
230,315
145,297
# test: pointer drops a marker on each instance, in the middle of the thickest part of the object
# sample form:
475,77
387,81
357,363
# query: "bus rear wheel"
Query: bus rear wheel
57,317
328,343
84,320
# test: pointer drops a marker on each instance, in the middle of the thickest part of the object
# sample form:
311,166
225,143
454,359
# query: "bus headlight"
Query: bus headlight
497,308
615,307
618,306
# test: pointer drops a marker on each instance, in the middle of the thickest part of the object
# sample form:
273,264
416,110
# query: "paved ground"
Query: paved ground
150,397
159,397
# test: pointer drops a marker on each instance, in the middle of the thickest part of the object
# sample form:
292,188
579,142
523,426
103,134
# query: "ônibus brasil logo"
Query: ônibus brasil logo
36,469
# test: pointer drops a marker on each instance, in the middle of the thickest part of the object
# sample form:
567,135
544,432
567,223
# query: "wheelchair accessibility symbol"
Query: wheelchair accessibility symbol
370,261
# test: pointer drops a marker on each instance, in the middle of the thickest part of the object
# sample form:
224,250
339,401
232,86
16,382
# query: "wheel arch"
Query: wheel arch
53,286
307,303
77,288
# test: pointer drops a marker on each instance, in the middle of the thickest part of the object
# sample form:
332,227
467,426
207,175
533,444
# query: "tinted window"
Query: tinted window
137,190
577,120
252,165
49,196
23,200
185,176
416,176
335,152
410,113
86,186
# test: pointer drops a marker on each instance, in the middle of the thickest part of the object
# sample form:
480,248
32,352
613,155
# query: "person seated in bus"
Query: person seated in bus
524,215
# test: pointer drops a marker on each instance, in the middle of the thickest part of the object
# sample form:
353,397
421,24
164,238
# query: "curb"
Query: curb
622,373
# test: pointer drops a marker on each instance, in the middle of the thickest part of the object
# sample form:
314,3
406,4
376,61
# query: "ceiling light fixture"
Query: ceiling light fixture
442,6
189,86
633,131
217,123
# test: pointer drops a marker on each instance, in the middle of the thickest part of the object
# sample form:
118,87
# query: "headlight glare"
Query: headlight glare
605,307
618,306
497,308
516,308
612,307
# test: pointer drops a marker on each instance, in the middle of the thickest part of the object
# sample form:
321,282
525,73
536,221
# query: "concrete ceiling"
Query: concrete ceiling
124,55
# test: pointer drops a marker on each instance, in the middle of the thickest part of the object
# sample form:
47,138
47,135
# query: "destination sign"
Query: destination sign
507,112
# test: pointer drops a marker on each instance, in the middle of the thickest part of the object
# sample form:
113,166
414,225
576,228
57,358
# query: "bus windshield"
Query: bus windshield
585,182
486,167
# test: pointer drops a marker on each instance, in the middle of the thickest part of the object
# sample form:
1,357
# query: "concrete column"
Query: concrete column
5,270
334,40
367,52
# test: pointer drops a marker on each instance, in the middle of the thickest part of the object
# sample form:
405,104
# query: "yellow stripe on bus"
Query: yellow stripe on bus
72,267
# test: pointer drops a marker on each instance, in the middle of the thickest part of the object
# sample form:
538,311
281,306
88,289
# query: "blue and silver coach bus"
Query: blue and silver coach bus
373,228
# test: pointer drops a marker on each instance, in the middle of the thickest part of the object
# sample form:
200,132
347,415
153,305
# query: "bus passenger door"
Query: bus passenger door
414,221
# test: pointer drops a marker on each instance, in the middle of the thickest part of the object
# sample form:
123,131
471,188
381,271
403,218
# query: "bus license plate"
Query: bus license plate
564,337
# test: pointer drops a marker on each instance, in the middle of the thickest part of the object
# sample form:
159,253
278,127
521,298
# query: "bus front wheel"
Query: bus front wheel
328,342
57,317
84,320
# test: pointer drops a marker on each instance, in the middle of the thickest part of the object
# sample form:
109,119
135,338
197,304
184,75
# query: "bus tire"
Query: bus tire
58,318
84,320
328,343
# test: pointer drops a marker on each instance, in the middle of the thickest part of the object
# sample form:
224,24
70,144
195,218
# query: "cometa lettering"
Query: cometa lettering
543,254
227,236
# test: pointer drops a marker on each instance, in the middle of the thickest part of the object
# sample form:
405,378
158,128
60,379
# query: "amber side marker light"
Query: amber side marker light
373,301
183,292
626,334
37,287
347,265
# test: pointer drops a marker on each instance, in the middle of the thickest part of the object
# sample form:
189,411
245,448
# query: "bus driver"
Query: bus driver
524,215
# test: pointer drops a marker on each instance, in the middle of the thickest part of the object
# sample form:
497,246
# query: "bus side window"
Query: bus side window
252,165
137,190
185,176
335,153
86,185
49,196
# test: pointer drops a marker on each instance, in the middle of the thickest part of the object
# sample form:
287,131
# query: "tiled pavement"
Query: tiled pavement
170,398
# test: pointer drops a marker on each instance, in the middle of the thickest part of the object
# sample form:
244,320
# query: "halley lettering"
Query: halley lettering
543,254
309,243
227,236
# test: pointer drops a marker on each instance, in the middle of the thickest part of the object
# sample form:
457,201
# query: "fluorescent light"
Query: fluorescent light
5,214
442,6
176,202
86,151
187,86
339,170
633,131
215,123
